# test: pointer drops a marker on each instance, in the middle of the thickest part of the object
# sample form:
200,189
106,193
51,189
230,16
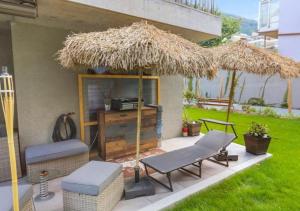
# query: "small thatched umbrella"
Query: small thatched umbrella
140,47
242,56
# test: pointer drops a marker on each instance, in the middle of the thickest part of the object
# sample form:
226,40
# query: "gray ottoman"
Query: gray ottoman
64,156
95,186
25,198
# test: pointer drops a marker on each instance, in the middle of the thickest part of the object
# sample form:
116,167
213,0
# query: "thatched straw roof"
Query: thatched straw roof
139,46
289,68
242,56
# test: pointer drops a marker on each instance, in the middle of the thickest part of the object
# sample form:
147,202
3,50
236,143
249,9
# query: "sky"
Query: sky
243,8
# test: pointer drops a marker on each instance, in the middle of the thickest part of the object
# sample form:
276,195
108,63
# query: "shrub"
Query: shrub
248,109
189,96
269,112
257,129
256,101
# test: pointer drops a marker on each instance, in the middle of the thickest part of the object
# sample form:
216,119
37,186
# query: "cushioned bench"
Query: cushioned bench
65,156
95,186
25,198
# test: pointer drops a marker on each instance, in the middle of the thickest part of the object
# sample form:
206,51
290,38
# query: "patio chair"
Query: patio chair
212,144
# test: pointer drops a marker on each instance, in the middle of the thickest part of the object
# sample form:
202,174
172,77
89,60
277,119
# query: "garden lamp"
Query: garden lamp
7,102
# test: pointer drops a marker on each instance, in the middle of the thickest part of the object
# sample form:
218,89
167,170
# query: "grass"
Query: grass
272,185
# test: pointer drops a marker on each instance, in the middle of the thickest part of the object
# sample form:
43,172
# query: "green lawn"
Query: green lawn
272,185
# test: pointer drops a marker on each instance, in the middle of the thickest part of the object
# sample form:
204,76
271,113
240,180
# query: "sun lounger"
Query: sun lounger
212,144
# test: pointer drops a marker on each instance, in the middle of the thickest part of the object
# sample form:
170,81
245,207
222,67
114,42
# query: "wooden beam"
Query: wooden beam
81,107
116,76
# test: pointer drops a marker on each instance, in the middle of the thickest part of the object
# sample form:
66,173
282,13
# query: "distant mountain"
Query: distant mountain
247,25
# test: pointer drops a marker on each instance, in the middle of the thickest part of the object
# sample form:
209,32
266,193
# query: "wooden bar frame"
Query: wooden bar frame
81,78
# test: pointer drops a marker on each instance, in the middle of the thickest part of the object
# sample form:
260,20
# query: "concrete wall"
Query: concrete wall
171,100
253,88
43,89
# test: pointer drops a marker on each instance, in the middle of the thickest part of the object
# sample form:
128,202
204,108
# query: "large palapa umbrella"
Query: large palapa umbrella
140,48
241,56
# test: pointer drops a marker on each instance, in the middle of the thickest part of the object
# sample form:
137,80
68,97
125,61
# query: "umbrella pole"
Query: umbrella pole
138,132
231,96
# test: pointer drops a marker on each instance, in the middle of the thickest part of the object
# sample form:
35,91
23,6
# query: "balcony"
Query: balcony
195,21
208,6
19,8
269,17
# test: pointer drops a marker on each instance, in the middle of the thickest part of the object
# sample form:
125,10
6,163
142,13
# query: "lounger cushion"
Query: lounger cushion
45,152
207,146
25,194
215,140
92,178
178,158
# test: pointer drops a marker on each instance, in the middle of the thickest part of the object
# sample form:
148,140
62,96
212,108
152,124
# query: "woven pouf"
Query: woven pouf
95,186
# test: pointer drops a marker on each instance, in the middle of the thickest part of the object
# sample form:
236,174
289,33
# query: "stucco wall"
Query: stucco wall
43,89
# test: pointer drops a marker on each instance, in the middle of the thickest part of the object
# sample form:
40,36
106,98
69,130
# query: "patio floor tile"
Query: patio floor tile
184,184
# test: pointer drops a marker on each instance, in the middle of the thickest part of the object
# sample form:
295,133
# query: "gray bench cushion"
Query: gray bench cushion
45,152
25,194
92,178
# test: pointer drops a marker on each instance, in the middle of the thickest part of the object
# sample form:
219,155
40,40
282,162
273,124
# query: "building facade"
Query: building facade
281,19
32,33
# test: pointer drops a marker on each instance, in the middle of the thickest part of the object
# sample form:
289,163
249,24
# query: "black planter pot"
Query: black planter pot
256,145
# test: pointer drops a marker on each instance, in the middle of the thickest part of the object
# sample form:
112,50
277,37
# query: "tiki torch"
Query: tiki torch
7,102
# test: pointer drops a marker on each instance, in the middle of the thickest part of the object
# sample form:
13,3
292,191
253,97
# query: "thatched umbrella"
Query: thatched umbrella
291,69
140,47
242,56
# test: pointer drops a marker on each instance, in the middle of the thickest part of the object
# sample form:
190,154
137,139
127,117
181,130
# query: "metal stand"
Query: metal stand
44,193
170,186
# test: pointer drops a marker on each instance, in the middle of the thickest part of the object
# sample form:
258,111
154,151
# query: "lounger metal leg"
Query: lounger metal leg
146,169
225,153
199,167
170,187
170,181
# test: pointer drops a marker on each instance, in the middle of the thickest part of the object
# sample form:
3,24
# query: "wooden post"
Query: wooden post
231,95
290,98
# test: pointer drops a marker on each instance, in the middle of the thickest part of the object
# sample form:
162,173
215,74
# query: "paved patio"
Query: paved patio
184,184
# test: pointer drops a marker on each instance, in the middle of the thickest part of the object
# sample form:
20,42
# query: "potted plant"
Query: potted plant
194,128
257,139
185,129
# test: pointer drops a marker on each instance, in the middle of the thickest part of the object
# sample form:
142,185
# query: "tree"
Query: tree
230,26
